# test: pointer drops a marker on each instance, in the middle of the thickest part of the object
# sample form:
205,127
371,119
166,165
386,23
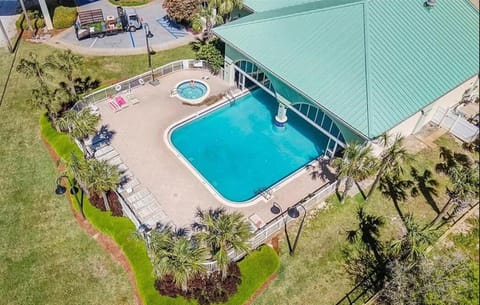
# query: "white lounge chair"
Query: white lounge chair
132,99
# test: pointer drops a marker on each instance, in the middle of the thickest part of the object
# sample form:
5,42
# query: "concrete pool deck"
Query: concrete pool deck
139,138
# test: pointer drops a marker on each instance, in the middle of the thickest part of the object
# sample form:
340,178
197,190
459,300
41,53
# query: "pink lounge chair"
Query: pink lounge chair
120,101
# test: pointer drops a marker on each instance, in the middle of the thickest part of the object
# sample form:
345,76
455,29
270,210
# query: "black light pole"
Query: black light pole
60,190
148,35
293,213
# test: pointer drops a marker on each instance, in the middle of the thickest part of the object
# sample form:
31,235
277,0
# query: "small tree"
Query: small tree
465,187
99,177
181,10
222,232
412,246
225,7
356,164
175,255
80,125
42,97
66,63
441,280
210,52
391,160
32,67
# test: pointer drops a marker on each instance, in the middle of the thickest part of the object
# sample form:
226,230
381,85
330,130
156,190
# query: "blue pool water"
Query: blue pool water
240,152
191,91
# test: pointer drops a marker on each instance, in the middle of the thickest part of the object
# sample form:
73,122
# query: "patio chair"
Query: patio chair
132,99
118,103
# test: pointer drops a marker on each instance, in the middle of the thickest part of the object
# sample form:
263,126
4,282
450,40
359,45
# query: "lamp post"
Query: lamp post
294,213
60,190
148,35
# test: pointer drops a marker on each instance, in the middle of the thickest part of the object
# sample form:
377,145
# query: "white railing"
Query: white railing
140,80
455,124
263,234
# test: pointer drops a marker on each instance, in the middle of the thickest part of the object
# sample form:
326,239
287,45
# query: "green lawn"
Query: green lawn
45,258
316,274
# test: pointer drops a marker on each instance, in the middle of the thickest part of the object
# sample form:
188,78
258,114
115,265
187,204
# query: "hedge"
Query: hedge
36,21
64,17
256,268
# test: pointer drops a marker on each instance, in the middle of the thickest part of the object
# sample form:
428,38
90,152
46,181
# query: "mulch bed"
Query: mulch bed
114,203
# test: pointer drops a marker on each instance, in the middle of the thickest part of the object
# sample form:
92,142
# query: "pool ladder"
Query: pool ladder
230,97
173,92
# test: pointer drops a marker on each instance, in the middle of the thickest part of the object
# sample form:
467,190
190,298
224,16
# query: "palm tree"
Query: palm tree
368,233
465,187
99,177
176,255
225,7
42,97
222,232
392,186
80,125
426,185
33,67
411,247
393,156
210,19
356,164
67,63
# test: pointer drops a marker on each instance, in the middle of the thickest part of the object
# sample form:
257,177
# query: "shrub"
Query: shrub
197,24
64,17
36,20
206,289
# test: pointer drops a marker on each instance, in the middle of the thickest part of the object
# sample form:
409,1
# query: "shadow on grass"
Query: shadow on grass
425,185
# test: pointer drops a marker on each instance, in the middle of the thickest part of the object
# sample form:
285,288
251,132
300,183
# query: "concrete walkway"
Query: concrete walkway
141,140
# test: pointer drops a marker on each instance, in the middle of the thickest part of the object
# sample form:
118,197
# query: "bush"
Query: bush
64,17
36,20
206,289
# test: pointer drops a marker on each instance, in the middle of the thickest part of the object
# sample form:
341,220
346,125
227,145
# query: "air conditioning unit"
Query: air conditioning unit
430,3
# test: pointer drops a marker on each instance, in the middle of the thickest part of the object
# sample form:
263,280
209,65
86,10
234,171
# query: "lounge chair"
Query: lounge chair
132,99
118,103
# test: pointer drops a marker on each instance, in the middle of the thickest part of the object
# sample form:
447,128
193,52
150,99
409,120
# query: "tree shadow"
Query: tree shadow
83,85
320,170
102,138
451,159
425,185
396,189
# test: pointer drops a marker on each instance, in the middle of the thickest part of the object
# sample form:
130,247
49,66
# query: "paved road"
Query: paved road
9,10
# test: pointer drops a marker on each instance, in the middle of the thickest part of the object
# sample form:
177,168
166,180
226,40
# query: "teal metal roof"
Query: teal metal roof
372,63
265,5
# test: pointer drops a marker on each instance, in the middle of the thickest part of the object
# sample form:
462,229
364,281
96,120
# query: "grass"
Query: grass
129,2
45,258
255,268
316,274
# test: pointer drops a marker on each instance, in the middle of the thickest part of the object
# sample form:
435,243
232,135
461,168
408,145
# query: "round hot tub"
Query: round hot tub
192,91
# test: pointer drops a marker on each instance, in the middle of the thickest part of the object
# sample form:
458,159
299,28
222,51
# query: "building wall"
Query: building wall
415,122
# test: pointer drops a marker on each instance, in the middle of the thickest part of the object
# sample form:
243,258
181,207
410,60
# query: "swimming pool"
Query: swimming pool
239,151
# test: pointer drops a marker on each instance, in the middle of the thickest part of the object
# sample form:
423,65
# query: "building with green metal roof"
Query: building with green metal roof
368,66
